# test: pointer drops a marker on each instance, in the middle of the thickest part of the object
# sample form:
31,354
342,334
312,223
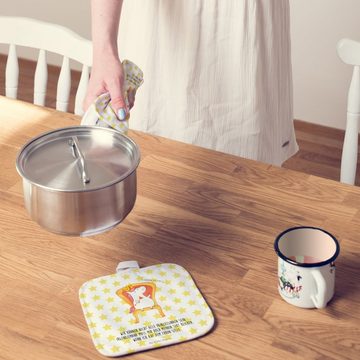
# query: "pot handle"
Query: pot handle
75,146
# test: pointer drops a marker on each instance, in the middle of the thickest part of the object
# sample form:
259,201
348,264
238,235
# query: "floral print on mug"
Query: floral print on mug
290,283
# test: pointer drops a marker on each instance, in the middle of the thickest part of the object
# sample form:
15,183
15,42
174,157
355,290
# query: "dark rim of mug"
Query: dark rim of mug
294,262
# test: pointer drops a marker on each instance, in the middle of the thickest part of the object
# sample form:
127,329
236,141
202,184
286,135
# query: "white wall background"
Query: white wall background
320,79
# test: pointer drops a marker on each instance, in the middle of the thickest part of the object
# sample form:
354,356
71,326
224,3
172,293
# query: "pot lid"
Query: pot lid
78,158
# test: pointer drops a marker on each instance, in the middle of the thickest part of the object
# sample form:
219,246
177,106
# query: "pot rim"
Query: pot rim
116,181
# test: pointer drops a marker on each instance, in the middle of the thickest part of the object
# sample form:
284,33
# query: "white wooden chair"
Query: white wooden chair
17,31
349,53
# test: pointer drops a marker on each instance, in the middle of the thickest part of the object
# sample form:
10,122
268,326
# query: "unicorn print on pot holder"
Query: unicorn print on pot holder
139,309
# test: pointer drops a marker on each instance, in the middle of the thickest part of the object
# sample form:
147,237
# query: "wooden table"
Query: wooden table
216,215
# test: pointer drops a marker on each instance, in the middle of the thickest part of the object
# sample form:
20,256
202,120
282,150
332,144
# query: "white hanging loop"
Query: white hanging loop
124,265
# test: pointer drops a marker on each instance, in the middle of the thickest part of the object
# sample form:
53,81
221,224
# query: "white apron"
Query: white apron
217,73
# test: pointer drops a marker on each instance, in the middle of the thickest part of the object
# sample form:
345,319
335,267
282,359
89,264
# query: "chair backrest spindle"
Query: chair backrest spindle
63,86
12,73
40,80
349,52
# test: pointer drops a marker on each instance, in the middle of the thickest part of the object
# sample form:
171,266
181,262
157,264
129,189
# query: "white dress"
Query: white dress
217,73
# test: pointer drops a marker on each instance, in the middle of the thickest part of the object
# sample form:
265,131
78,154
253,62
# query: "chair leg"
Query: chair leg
136,316
350,149
159,309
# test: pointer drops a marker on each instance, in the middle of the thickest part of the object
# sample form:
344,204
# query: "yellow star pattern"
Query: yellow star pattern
115,349
178,298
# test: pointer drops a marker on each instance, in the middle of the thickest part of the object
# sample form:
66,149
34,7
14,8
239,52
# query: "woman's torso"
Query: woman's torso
217,73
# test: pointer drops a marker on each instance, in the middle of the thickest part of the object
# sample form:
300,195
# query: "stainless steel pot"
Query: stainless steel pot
79,180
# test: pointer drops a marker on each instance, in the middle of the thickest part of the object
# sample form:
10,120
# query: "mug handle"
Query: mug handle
319,298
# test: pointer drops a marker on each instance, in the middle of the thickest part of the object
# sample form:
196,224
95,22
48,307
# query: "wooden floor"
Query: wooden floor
320,146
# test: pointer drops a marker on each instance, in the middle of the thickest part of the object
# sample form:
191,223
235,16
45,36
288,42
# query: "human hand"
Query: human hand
107,75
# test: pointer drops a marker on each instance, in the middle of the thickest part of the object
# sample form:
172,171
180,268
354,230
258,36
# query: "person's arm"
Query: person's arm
107,73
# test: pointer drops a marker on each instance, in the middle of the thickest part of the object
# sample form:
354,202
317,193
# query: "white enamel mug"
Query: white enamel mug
306,268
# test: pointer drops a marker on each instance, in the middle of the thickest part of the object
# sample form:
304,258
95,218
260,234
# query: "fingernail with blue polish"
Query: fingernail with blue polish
121,114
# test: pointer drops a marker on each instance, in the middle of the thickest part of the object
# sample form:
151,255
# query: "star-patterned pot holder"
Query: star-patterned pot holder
100,113
139,309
